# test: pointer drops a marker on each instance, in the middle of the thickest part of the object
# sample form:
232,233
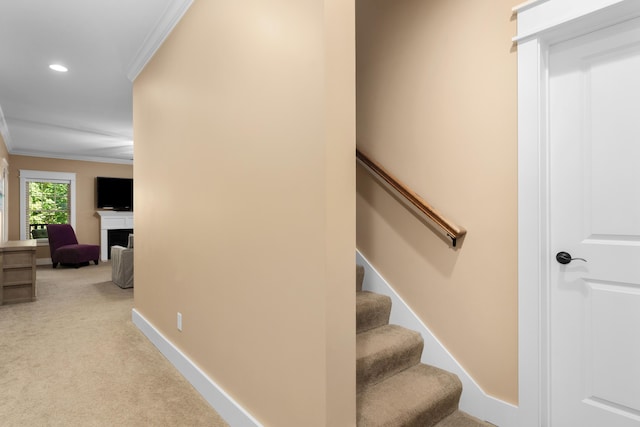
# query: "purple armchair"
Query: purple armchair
65,248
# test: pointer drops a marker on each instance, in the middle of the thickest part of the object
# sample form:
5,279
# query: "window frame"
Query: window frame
4,199
45,176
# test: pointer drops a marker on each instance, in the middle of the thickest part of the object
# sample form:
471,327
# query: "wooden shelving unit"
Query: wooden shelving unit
17,271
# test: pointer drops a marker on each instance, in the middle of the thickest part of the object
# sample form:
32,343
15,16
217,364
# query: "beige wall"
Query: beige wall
436,86
244,123
87,221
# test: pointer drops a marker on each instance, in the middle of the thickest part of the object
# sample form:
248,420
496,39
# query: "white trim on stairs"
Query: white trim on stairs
474,400
224,404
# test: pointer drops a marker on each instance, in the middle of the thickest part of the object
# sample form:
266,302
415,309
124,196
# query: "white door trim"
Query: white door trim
540,25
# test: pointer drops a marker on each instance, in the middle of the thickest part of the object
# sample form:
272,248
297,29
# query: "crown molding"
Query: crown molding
45,125
527,5
66,156
4,131
158,34
96,159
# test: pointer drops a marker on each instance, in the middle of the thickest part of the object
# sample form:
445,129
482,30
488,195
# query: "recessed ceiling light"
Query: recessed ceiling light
58,67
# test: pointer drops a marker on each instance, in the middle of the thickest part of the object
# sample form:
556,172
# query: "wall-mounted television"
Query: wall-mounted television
114,193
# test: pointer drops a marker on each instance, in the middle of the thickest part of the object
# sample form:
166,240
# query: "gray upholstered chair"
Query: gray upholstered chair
122,264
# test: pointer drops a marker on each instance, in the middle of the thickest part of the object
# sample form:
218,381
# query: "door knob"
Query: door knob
565,258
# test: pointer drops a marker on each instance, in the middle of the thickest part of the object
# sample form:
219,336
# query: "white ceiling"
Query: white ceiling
85,113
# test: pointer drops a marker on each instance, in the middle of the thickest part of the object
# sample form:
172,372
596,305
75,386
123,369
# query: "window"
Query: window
47,203
45,198
4,183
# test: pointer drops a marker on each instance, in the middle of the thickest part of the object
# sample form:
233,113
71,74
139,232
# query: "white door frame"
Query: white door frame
542,23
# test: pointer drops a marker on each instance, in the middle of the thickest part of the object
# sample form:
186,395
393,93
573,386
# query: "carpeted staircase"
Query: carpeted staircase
393,388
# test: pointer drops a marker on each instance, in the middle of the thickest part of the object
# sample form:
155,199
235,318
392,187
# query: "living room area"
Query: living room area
283,171
73,357
71,354
87,219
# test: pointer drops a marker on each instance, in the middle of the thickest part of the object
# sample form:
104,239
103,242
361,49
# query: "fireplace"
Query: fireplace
119,237
121,222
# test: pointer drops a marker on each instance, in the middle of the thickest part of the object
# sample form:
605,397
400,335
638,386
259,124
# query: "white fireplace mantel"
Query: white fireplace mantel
112,220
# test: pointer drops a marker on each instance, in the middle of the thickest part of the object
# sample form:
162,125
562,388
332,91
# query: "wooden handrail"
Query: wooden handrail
453,231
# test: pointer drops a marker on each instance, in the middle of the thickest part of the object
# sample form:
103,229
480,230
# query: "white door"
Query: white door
594,175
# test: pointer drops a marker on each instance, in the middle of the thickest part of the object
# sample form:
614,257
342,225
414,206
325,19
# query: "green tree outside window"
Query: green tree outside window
48,203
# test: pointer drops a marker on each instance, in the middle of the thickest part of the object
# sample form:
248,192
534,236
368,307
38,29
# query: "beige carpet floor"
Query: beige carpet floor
74,358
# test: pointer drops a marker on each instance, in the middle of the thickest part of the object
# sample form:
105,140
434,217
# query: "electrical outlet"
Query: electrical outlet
179,321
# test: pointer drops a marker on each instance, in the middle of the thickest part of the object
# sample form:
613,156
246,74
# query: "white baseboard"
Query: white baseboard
228,408
474,400
43,261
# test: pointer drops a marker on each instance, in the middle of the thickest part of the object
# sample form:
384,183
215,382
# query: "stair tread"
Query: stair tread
393,388
384,351
368,297
421,395
372,310
462,419
383,337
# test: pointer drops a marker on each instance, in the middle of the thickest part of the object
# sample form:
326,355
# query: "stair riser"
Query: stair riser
376,368
424,418
372,313
368,322
432,417
393,388
420,396
359,277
